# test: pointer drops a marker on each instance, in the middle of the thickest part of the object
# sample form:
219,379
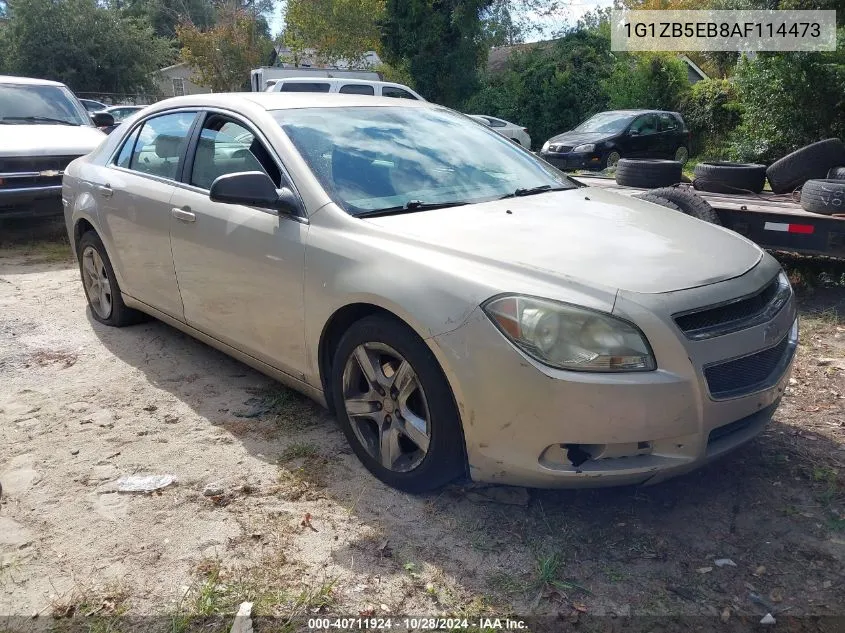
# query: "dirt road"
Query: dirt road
270,506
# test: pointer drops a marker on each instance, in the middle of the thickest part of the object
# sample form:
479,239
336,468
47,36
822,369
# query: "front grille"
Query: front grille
736,315
34,163
22,172
750,373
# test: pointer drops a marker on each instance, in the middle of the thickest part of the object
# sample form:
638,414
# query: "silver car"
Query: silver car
461,306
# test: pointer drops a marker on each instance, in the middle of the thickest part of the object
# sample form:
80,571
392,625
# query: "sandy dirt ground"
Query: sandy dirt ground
270,506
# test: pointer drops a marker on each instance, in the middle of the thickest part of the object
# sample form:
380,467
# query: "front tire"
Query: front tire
100,284
612,159
396,407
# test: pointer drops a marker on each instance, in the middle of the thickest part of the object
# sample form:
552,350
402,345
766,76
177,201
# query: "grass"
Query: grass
298,450
39,252
102,609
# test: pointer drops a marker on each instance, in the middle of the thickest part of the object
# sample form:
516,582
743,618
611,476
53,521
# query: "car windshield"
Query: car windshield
609,122
32,104
372,159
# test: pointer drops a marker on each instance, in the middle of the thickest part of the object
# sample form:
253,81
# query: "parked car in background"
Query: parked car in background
505,128
43,127
120,113
460,305
93,106
600,141
345,86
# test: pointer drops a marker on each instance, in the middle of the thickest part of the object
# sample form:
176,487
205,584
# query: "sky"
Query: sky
547,25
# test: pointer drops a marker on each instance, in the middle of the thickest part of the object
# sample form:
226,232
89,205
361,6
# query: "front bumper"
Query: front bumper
37,201
531,425
572,160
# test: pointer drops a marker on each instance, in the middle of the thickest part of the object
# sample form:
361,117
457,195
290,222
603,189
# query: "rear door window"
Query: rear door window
668,123
302,86
357,89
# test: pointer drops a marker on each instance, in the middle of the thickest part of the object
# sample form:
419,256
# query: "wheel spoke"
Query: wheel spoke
368,368
363,406
414,428
404,381
88,267
389,449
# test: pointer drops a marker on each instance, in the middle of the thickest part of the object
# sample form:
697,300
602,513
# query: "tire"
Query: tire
663,202
686,201
117,314
720,177
836,173
809,162
826,196
682,154
648,173
413,471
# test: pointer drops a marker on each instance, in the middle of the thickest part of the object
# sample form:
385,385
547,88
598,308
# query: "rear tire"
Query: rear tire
386,432
100,284
685,201
811,161
836,173
825,196
682,154
722,177
648,173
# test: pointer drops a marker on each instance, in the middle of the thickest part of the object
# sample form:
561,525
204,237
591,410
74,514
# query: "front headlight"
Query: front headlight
546,146
588,147
569,337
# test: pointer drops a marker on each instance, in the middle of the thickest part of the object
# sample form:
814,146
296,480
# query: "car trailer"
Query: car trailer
775,222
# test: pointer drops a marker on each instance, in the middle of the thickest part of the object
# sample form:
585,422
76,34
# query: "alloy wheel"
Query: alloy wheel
682,155
613,159
96,282
386,406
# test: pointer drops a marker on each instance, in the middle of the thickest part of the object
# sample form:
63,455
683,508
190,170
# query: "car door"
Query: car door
668,134
135,200
642,138
240,269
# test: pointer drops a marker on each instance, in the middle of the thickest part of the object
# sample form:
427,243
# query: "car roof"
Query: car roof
285,101
310,80
635,111
28,81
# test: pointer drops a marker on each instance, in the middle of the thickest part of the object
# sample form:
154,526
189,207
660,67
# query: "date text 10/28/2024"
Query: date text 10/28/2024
415,624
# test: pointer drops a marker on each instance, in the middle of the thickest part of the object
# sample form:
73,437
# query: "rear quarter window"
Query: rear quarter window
357,89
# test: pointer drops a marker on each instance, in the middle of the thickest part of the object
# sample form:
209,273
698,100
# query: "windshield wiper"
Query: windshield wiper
39,119
530,191
411,205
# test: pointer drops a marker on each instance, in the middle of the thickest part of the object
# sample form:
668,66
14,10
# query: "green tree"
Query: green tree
648,80
500,28
336,29
440,41
712,112
550,88
166,15
87,46
222,56
789,100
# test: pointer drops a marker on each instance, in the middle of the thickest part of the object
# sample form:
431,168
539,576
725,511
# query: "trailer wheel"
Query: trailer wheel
836,173
826,196
685,201
721,177
811,161
647,173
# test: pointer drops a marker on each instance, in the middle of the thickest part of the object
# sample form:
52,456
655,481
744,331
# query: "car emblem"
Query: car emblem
771,333
51,173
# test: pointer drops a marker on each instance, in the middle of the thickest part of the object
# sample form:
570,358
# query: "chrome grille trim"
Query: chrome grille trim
736,314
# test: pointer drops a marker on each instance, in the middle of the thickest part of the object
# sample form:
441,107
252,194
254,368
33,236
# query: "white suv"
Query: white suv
43,127
344,86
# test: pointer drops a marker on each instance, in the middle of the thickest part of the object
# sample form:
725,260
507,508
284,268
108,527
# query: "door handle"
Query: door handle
105,191
183,215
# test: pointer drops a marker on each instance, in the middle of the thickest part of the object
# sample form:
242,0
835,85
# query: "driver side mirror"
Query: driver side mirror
254,189
633,132
102,119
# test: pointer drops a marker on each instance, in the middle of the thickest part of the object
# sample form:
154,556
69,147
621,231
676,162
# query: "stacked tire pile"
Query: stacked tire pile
817,170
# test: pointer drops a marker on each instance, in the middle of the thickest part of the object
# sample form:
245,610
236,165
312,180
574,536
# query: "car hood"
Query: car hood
48,140
579,138
592,235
